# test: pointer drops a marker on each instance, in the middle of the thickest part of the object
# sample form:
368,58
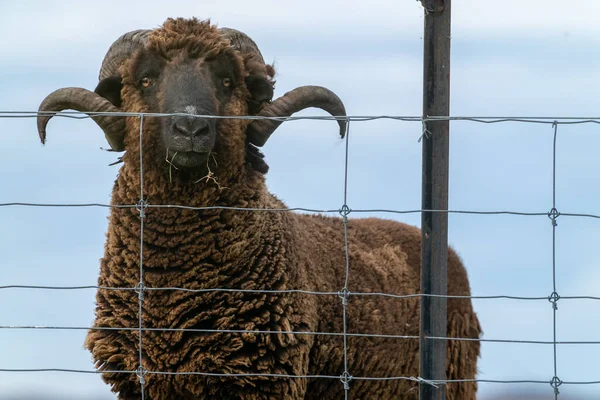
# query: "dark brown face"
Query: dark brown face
188,87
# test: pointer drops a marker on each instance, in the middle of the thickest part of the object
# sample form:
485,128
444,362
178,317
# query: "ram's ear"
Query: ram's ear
260,84
110,89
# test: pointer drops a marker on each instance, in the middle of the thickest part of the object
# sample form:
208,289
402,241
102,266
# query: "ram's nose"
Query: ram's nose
190,127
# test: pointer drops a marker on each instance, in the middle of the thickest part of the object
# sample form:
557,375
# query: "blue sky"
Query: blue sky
508,59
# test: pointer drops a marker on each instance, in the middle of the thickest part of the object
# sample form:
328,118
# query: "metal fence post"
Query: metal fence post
434,252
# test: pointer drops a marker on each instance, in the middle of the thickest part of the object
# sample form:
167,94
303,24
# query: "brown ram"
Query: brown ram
192,68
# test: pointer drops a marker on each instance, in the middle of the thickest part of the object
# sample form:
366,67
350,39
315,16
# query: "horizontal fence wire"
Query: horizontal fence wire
356,118
311,210
307,333
345,294
331,377
292,291
285,376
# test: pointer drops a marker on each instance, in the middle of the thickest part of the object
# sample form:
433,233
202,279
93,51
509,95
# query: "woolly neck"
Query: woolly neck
229,246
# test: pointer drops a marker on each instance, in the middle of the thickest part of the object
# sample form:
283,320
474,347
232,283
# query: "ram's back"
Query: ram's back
384,257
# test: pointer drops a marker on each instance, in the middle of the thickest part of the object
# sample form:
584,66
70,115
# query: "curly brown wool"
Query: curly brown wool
216,248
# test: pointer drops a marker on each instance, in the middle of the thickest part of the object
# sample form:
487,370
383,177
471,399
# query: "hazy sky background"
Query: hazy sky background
509,58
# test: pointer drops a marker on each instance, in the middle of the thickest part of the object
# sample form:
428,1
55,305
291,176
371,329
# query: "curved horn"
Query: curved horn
242,42
86,101
83,100
121,50
296,100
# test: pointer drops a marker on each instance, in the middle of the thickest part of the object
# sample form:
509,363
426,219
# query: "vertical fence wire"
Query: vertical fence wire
142,210
554,297
345,211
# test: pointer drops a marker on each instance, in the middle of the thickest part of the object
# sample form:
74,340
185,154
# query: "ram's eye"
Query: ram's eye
226,82
146,82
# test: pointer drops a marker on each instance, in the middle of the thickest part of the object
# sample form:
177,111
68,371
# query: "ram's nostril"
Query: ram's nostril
191,127
200,128
180,129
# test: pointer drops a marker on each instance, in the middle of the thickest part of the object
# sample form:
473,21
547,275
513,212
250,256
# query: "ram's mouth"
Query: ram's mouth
186,159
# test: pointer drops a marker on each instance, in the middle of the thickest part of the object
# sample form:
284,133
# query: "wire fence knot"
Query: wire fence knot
346,378
553,214
343,294
140,373
141,207
555,383
425,381
425,133
344,212
139,289
554,298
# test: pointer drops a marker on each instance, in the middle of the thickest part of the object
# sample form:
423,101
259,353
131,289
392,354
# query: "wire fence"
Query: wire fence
344,293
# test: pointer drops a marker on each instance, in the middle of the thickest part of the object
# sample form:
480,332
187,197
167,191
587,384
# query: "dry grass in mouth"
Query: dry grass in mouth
171,165
210,176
